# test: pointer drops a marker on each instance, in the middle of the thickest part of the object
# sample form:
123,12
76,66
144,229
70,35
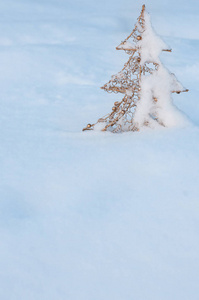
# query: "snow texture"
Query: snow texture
93,215
159,85
150,45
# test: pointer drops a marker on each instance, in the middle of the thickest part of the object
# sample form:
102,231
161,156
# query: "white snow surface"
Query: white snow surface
92,215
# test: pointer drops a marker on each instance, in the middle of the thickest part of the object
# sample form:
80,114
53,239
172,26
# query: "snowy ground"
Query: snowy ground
93,216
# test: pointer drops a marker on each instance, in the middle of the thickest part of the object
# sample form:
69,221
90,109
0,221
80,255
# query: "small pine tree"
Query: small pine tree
145,83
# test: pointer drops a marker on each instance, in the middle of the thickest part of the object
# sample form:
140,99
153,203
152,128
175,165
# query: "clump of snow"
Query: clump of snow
126,46
155,107
150,45
155,102
99,126
159,85
175,84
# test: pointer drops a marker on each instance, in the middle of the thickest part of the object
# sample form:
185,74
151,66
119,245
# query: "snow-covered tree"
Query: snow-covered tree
145,83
